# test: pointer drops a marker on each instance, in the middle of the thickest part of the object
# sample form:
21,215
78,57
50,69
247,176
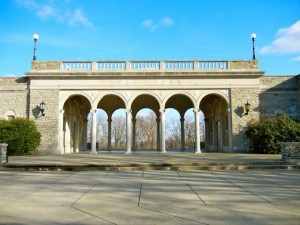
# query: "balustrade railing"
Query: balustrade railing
77,66
111,66
144,65
179,65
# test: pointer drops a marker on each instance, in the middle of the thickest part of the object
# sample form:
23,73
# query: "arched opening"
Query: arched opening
215,109
75,124
145,121
181,127
111,123
145,130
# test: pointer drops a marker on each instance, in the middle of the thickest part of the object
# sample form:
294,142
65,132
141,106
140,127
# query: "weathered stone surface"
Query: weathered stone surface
45,65
290,150
240,83
244,65
48,124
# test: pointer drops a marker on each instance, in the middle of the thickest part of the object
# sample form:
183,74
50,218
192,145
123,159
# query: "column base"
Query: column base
198,152
128,152
164,151
93,153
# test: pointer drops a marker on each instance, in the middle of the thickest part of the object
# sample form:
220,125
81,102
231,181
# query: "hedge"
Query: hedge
21,135
266,134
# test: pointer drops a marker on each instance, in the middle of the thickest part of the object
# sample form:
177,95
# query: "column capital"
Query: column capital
93,110
196,110
162,110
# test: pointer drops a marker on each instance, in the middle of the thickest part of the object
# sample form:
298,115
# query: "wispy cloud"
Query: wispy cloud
79,18
287,41
296,58
166,21
57,12
163,22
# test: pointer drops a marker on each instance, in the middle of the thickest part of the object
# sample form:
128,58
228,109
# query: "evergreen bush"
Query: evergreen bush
21,135
266,134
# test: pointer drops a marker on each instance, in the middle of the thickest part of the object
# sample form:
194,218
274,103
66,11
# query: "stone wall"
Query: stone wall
243,65
290,150
280,95
48,124
14,97
240,120
45,65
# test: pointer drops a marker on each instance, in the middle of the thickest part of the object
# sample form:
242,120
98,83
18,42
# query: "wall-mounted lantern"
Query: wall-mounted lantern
42,108
247,108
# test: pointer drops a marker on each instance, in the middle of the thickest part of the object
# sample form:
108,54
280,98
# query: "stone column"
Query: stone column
84,138
133,133
94,131
128,131
229,128
109,121
197,131
182,134
158,134
163,131
76,134
61,132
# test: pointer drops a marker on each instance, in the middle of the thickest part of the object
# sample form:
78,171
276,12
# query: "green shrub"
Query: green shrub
21,135
267,134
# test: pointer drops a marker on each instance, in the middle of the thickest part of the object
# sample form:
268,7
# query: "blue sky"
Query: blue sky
150,29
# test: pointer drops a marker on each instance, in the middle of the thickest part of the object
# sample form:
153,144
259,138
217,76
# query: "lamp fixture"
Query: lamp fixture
35,38
253,36
42,108
247,108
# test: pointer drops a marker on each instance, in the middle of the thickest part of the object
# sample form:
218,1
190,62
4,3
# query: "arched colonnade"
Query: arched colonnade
75,107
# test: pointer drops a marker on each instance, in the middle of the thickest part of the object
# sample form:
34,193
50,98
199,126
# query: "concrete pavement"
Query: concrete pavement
150,197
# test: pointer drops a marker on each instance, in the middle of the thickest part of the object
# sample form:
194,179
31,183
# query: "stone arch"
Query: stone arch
136,96
141,101
74,123
145,100
186,94
215,109
181,102
67,95
109,103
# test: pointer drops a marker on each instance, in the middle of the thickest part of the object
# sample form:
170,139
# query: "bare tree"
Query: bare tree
146,131
118,130
102,130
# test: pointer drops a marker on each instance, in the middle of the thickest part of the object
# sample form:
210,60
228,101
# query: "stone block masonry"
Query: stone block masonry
48,124
240,120
14,97
290,150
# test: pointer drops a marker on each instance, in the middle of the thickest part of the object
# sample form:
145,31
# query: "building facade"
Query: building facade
220,89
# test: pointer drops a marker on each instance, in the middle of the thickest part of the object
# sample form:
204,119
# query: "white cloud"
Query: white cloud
45,12
149,25
77,17
167,21
287,41
57,13
296,58
163,22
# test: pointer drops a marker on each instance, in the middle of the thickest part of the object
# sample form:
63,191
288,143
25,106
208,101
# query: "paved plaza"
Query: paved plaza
150,197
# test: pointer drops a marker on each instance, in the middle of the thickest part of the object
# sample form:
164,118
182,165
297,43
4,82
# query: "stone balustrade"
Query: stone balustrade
3,155
146,66
290,150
